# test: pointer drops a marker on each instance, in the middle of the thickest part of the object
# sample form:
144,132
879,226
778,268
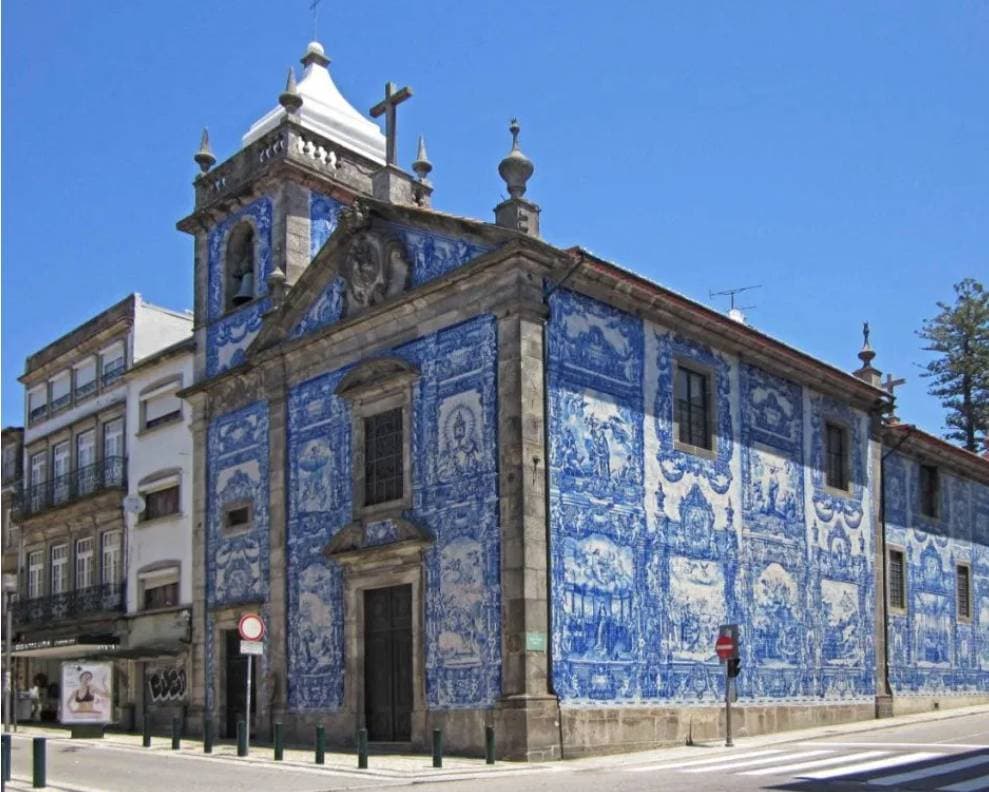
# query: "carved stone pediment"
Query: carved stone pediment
370,537
376,374
374,268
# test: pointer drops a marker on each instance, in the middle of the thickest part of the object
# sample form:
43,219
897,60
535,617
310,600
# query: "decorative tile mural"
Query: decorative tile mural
655,547
455,500
228,336
932,650
237,474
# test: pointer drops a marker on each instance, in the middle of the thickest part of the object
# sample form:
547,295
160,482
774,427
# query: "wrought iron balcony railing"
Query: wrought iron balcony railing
92,601
110,473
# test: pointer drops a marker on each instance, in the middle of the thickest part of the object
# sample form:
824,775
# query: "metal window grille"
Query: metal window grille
964,593
383,457
837,466
897,581
693,408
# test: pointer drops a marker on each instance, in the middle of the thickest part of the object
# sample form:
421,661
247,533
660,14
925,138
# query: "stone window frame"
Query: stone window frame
374,387
241,528
828,421
967,566
935,513
711,376
41,550
890,549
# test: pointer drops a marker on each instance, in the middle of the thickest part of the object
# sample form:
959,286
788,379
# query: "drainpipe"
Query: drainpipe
547,293
888,689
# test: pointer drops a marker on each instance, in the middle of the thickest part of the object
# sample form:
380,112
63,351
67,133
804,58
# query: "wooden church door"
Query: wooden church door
388,663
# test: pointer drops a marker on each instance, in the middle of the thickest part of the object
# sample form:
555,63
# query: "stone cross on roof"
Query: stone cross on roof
386,107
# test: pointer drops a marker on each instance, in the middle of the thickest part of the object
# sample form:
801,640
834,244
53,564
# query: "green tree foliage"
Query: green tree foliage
959,337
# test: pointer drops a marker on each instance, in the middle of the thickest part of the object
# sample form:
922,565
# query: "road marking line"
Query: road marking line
937,745
926,772
749,762
972,785
693,762
879,764
816,763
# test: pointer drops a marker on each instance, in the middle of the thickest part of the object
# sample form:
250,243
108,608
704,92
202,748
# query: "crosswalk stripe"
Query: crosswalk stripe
926,772
971,785
792,768
865,767
731,765
693,762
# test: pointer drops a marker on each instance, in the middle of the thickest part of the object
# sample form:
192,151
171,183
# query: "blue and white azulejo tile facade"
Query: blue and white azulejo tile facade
454,500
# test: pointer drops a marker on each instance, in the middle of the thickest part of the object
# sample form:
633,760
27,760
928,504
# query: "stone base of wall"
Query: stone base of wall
589,731
907,705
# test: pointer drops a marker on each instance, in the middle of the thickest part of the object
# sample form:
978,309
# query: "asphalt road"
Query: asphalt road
950,755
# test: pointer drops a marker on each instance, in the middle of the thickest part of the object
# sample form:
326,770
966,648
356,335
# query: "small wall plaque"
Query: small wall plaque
535,642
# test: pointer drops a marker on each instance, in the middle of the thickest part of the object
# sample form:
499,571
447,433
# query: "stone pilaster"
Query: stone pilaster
528,714
197,653
884,698
292,231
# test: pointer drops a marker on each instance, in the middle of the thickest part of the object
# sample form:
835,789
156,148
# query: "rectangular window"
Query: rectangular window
161,503
929,490
39,468
85,462
84,563
112,361
383,457
836,442
86,379
237,517
37,403
693,408
60,472
60,569
964,589
110,574
161,409
897,580
161,596
61,391
35,574
113,453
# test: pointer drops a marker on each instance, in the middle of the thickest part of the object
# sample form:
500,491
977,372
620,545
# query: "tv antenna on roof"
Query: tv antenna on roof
735,311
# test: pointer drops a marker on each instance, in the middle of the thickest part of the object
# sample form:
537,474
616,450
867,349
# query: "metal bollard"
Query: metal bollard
241,738
489,745
6,757
437,747
362,749
146,738
279,743
40,776
208,736
320,744
176,734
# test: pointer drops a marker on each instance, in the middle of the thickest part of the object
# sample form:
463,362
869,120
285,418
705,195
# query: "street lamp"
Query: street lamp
9,589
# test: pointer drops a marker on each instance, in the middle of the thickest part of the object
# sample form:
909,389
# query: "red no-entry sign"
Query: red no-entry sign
725,646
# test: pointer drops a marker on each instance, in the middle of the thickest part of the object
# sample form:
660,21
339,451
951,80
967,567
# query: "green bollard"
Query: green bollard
6,757
208,736
40,776
146,737
241,738
176,734
279,743
489,745
437,747
320,744
362,749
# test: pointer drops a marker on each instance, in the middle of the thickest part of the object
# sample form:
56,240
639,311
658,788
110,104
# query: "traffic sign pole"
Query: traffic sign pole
728,740
247,716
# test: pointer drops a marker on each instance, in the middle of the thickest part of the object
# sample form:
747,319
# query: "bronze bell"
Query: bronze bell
246,291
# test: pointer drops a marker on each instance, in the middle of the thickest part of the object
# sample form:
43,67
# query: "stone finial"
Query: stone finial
867,372
204,157
276,287
289,98
516,169
422,166
315,54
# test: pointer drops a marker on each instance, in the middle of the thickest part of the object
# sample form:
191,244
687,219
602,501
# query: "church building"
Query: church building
469,478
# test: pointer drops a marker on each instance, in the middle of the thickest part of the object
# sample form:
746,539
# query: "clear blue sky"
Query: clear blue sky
834,152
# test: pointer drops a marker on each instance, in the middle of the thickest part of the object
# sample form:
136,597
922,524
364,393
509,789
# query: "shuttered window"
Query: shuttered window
61,391
37,403
897,580
161,409
161,503
86,379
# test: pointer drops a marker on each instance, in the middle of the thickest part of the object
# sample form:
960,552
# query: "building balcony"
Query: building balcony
94,601
108,474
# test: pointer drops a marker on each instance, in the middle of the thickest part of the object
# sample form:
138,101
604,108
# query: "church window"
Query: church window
383,457
237,516
963,576
238,286
897,580
836,447
928,490
693,411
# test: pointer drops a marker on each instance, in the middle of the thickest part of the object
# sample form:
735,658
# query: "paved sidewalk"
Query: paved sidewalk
416,768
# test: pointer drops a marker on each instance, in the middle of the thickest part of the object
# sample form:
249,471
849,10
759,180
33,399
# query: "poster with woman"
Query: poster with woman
87,692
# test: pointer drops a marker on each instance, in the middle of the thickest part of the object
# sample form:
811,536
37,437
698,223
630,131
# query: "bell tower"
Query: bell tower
261,214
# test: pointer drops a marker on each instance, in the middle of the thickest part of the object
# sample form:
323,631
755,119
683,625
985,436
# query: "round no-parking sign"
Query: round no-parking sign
251,627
